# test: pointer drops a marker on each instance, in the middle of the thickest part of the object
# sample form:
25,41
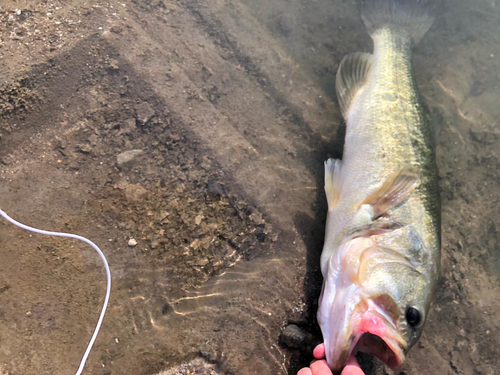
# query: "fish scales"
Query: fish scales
388,128
381,255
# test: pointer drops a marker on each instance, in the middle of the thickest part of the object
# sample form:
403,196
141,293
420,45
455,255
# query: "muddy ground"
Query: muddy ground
198,129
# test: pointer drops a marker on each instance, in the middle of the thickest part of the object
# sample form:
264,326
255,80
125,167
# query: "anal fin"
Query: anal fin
394,191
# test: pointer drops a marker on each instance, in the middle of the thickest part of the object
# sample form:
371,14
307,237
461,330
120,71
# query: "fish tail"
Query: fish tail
413,16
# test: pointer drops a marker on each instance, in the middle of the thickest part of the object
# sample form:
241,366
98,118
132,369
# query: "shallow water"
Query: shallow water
225,201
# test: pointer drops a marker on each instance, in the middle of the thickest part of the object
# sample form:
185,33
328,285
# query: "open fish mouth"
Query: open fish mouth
376,336
392,355
369,327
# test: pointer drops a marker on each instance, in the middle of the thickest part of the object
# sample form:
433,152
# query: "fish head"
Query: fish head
374,300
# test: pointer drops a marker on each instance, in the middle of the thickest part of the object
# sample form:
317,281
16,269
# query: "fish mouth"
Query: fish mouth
377,336
369,329
368,343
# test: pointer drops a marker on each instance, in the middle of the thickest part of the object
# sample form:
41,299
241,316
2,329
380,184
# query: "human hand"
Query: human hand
320,367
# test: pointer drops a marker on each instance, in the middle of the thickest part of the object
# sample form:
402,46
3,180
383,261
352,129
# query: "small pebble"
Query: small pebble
127,156
132,242
144,112
174,137
116,29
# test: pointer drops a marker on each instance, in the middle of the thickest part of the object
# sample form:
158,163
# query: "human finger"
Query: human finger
319,351
320,367
305,371
352,367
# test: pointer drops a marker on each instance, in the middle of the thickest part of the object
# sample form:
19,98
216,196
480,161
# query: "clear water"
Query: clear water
240,93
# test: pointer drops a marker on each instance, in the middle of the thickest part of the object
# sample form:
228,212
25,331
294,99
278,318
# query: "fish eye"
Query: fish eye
413,316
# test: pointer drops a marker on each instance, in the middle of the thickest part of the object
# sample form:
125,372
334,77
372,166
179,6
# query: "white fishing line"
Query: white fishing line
108,276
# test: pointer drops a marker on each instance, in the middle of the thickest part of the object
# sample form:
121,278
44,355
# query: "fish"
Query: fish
381,255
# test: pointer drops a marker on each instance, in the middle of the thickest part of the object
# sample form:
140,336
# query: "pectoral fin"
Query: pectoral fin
333,181
394,191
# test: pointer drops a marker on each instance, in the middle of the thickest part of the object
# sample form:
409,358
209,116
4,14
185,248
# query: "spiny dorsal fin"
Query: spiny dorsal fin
333,181
351,76
394,191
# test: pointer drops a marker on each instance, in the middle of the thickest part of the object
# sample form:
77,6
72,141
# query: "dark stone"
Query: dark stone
261,237
293,337
215,189
166,309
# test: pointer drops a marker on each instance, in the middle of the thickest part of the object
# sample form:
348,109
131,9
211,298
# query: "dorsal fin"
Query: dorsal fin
351,76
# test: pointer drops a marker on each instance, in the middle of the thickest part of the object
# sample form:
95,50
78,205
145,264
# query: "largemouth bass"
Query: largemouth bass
381,255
